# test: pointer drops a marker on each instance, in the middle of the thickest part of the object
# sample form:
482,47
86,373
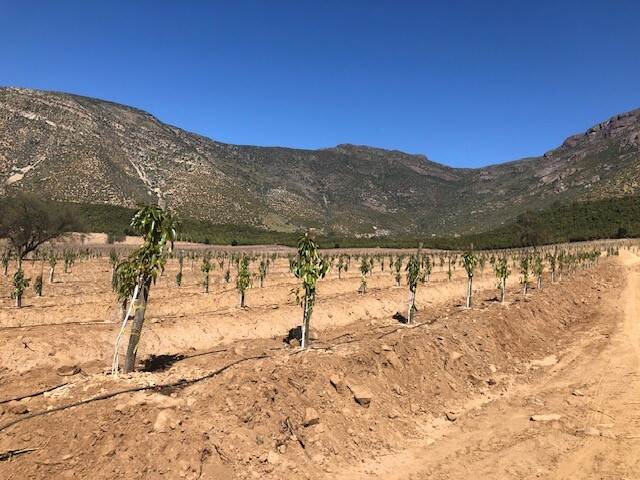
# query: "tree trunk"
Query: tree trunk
206,283
18,301
412,306
539,283
309,298
502,290
553,276
136,327
51,275
304,337
242,305
469,291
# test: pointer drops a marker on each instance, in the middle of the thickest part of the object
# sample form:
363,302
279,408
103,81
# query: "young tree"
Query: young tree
262,271
450,267
397,267
227,275
135,275
206,268
69,260
538,270
413,277
502,272
244,279
427,268
340,266
180,266
365,267
469,261
525,266
52,266
37,285
482,262
562,263
20,284
27,222
552,258
309,267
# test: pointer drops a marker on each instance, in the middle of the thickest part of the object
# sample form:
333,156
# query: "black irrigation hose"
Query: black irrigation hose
179,383
34,394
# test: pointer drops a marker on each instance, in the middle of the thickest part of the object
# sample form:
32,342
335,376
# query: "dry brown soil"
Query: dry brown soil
450,397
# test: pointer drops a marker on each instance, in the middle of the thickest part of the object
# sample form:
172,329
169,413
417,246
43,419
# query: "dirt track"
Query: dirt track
594,388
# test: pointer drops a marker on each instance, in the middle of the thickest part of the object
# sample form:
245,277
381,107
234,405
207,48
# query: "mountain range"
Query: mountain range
73,148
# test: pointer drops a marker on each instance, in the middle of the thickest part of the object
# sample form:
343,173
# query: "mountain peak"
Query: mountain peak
80,149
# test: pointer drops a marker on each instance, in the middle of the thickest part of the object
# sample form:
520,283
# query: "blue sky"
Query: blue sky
467,83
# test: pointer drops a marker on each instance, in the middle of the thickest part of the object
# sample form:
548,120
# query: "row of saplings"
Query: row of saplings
134,276
418,268
20,282
529,264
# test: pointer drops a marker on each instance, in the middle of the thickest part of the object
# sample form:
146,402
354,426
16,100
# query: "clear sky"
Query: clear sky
467,83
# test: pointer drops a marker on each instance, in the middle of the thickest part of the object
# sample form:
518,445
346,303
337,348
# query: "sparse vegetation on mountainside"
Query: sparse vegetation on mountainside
357,190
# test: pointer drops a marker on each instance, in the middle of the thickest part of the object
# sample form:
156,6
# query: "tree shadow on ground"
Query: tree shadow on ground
160,363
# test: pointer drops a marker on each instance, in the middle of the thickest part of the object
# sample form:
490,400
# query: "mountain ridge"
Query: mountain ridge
76,148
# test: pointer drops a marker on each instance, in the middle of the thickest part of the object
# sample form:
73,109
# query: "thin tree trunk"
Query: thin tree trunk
412,305
242,300
469,291
51,275
127,304
502,290
309,300
136,327
304,337
18,301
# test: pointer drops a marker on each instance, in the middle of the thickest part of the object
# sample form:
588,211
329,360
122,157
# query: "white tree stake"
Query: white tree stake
116,360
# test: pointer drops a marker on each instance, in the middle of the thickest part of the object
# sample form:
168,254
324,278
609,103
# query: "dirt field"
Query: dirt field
451,397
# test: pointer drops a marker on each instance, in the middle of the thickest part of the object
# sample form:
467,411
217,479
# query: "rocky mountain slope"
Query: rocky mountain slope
82,149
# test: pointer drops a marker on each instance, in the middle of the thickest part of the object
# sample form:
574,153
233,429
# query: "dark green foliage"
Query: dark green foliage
27,222
611,218
134,276
309,267
20,284
244,279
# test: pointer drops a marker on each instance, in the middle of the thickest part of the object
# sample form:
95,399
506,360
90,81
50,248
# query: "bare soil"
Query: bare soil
449,397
